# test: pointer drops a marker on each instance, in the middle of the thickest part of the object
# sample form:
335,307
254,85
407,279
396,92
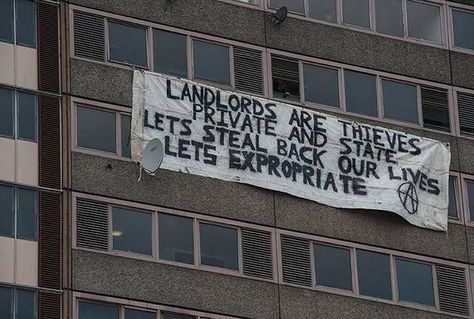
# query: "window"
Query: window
211,62
139,314
453,205
125,129
463,24
361,93
17,303
321,85
414,281
470,198
373,271
25,105
176,238
400,101
296,6
325,10
131,231
18,17
333,266
285,78
219,246
89,310
170,53
424,21
18,206
26,116
389,17
356,12
127,44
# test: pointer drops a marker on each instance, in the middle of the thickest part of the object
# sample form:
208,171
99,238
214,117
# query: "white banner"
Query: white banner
241,138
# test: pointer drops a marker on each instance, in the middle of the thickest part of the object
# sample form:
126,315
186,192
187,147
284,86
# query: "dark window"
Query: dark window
132,231
89,310
7,107
27,214
463,24
333,267
470,198
388,14
7,211
26,23
211,62
415,282
175,316
25,304
373,271
285,78
356,12
139,314
361,93
219,246
6,302
6,21
125,135
170,53
96,129
452,208
27,116
176,238
324,10
400,101
127,44
296,6
424,21
321,85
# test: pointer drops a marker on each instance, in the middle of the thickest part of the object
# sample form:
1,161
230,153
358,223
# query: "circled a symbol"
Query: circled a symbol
409,197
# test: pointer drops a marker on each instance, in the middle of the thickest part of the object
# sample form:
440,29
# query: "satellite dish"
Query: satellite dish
279,16
152,156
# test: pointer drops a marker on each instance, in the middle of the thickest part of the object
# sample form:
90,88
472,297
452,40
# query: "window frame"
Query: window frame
450,18
14,26
457,123
15,298
459,199
465,198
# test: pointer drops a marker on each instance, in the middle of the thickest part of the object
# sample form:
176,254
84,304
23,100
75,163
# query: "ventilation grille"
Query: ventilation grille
466,113
285,69
49,142
92,225
257,253
49,306
435,106
452,290
48,48
296,261
248,70
50,240
89,36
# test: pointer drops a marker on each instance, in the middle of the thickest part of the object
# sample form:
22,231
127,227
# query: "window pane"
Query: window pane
6,300
97,311
452,208
125,134
27,116
96,129
463,24
321,85
27,214
356,12
127,44
323,10
373,270
211,62
219,246
138,314
424,21
175,316
6,21
399,101
388,14
470,198
415,282
7,211
176,238
132,231
26,23
333,267
292,5
6,112
170,53
26,304
361,93
286,79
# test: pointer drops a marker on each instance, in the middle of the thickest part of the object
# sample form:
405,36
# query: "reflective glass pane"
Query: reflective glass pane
26,23
175,316
285,79
7,211
7,106
170,53
452,208
424,21
373,271
6,301
333,267
127,44
321,85
125,134
361,93
176,238
211,62
89,310
400,101
96,129
415,282
139,314
27,214
132,231
388,14
356,12
27,116
470,198
6,21
463,24
26,304
219,246
296,6
323,10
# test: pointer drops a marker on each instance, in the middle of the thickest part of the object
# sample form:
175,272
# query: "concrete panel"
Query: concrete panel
26,262
172,189
7,158
299,303
26,67
466,155
27,163
462,66
101,82
371,227
7,260
172,285
7,63
206,16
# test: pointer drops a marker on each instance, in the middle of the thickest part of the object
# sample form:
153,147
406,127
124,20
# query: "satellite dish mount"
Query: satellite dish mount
152,156
279,16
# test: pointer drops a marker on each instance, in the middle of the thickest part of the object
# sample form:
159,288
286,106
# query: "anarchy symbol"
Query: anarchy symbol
408,197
